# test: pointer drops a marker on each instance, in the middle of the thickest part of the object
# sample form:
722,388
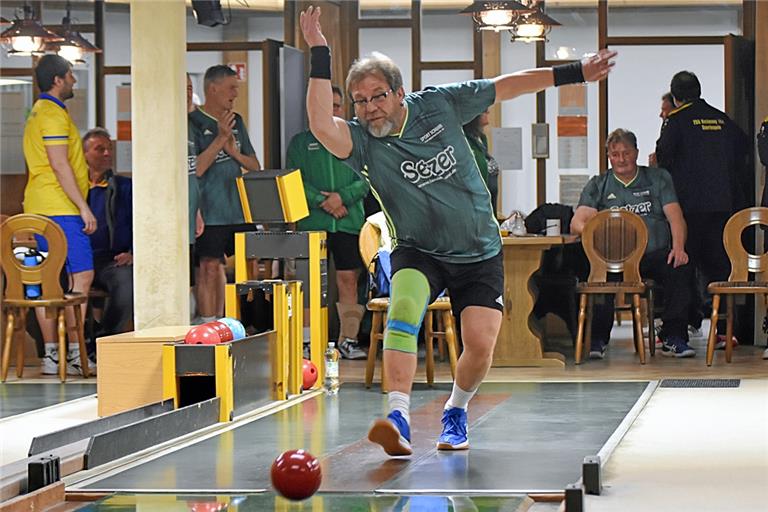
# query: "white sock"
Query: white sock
459,397
400,402
207,319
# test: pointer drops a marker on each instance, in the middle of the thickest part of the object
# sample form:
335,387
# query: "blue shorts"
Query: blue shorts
79,253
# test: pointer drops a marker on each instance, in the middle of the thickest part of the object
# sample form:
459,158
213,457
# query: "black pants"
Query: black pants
117,281
707,254
677,293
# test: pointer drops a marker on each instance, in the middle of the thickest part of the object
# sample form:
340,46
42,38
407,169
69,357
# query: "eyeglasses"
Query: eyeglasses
376,99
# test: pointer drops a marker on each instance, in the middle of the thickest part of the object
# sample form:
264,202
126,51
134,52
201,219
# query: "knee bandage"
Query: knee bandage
407,304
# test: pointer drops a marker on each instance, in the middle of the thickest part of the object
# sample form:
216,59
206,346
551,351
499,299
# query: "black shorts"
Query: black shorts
219,241
469,284
345,250
192,265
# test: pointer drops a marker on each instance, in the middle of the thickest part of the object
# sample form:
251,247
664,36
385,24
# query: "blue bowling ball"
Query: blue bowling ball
235,326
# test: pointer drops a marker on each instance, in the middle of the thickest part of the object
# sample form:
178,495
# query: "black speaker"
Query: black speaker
209,13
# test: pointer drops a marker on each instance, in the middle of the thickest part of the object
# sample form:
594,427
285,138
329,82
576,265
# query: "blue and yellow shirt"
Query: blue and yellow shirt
49,124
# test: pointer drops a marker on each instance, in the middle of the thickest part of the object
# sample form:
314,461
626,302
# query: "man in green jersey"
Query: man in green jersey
335,197
412,151
224,152
648,192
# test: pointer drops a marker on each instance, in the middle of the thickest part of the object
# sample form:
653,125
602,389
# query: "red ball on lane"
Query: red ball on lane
309,372
202,335
296,474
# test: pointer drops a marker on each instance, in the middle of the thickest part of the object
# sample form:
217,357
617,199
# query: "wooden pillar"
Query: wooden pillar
159,137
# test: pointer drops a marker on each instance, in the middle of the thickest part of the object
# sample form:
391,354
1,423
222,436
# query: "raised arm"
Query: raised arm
332,132
590,69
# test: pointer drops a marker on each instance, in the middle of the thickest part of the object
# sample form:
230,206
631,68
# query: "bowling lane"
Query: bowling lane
524,437
535,441
238,460
319,502
24,397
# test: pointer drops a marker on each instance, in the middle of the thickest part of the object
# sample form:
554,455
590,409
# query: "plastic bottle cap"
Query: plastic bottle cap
331,344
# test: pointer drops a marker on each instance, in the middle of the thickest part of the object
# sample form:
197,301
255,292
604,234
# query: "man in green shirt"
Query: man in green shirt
412,151
224,153
648,192
335,197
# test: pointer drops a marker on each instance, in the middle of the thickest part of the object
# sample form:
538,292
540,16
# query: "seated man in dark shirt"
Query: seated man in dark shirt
110,198
648,192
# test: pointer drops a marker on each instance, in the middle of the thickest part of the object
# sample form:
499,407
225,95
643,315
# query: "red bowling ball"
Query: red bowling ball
202,335
225,333
309,371
296,474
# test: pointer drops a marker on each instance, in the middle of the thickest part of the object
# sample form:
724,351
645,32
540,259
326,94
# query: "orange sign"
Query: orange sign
571,126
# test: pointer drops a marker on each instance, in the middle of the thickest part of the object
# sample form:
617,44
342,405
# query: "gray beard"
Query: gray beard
383,131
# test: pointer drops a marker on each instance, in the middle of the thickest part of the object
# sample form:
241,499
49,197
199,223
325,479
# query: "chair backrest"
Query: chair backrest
46,273
614,241
369,242
742,261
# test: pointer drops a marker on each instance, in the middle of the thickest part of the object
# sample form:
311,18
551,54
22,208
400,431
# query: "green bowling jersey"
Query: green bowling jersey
426,177
219,198
646,195
192,182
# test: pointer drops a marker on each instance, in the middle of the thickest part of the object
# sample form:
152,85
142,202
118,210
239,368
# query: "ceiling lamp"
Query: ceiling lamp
525,19
26,36
495,15
532,27
73,45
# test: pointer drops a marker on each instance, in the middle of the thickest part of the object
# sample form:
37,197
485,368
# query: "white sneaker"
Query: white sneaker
765,354
350,350
73,363
50,362
695,332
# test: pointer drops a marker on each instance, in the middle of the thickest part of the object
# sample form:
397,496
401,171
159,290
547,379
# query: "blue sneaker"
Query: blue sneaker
454,436
675,346
393,434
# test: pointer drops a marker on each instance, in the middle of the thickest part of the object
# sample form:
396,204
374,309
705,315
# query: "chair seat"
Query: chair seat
738,287
603,288
440,304
378,304
70,299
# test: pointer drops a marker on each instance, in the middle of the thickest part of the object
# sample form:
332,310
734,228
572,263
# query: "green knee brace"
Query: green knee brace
407,305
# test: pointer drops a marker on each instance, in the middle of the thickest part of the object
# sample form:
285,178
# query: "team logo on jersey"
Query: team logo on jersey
611,196
643,193
431,134
313,146
643,208
439,167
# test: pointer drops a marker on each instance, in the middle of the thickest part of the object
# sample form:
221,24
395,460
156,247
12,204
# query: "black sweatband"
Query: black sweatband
570,73
320,63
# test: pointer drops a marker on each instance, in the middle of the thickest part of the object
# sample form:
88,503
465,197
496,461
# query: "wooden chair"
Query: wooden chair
53,299
614,242
439,324
742,264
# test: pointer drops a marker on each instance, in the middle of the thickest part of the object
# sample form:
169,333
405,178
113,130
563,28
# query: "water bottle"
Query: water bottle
331,370
32,259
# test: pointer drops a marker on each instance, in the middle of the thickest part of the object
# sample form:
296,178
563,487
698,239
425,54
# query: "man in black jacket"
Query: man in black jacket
706,154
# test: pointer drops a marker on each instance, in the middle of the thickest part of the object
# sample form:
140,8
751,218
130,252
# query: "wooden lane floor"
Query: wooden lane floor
319,502
525,437
18,398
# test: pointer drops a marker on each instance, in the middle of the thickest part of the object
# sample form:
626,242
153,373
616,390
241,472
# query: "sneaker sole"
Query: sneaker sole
596,355
679,356
453,447
386,435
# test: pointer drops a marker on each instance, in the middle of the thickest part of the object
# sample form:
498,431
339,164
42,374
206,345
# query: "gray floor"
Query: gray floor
525,437
21,398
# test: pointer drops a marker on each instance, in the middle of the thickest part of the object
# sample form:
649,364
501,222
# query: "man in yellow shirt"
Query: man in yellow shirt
58,187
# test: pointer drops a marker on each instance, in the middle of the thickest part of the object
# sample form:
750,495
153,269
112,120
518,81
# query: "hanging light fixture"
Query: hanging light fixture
73,46
495,15
26,36
525,19
534,26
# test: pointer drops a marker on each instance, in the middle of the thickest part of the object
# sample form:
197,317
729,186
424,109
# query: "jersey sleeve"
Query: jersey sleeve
356,159
666,187
469,99
55,128
245,141
590,195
